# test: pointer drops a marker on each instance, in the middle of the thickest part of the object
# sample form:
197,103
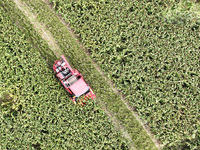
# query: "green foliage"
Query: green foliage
35,110
152,58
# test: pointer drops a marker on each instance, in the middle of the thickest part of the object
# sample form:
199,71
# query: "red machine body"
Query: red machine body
72,80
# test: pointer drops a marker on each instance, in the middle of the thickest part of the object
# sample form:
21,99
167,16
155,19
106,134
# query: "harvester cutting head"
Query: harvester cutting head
72,81
89,95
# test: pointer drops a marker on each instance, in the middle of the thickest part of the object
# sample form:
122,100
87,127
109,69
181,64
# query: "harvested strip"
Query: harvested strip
45,34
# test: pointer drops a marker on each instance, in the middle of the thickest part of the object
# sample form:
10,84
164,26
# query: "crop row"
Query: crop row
151,58
35,110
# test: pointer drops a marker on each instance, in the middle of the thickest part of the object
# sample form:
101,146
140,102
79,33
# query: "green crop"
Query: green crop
152,57
35,110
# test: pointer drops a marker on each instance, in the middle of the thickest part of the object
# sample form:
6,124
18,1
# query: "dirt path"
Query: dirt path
47,36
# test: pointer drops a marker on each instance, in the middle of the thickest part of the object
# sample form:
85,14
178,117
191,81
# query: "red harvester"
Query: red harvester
72,80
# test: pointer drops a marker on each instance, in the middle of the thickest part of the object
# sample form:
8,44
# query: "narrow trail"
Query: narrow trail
47,36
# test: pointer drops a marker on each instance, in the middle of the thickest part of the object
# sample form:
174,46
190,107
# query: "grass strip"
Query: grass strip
80,60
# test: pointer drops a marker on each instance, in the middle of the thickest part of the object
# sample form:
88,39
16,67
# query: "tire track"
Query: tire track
45,34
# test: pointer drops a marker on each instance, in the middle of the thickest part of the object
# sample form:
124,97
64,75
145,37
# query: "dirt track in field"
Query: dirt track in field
39,27
47,36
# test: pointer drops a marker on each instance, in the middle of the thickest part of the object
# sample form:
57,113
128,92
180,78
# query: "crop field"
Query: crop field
35,111
110,102
151,51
